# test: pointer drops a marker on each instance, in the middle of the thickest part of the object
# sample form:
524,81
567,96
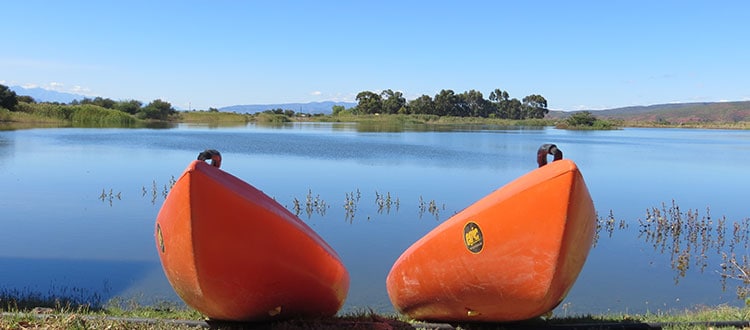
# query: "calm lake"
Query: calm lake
79,205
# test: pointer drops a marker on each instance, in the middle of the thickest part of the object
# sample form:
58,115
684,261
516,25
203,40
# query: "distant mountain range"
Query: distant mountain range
311,107
674,112
46,95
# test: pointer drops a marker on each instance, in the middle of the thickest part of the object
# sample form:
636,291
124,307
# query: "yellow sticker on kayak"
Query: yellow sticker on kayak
473,237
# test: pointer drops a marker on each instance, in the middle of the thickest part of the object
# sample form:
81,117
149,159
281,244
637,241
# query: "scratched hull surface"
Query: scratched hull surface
233,253
513,255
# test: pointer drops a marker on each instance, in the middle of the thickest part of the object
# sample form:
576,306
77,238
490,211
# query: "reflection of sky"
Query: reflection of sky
6,147
86,280
52,181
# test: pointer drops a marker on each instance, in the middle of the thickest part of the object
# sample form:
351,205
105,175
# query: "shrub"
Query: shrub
266,117
92,115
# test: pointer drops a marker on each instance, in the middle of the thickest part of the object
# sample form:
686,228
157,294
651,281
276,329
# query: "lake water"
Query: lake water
79,205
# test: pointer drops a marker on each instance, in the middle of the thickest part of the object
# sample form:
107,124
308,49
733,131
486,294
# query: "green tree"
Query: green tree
337,109
130,106
98,101
499,95
8,98
422,105
369,103
157,109
393,102
583,118
513,108
104,103
500,99
446,103
25,98
475,104
536,106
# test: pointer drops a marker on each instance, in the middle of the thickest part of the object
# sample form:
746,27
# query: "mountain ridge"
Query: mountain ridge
46,95
325,107
673,112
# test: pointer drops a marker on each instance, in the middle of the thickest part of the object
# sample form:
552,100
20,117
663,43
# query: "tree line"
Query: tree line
447,103
157,109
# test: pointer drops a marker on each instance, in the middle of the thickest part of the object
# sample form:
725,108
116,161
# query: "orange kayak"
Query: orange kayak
233,253
511,256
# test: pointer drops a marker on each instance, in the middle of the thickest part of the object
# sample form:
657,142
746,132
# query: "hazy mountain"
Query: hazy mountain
674,112
311,107
46,95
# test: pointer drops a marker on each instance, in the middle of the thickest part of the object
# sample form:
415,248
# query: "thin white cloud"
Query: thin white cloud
316,93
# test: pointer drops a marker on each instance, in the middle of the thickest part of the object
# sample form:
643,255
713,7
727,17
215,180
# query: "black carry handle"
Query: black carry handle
211,154
547,149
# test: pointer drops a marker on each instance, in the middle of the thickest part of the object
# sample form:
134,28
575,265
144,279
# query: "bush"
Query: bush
5,115
584,121
49,110
92,115
8,98
266,117
583,118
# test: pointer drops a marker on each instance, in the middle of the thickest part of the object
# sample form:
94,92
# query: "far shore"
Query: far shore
393,122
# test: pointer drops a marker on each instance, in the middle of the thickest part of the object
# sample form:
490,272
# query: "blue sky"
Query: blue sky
201,54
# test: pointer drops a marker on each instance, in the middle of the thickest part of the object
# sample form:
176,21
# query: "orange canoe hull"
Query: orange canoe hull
511,256
233,253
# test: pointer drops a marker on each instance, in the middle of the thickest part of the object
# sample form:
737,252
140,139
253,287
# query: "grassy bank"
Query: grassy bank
214,117
28,310
167,317
55,115
89,115
400,121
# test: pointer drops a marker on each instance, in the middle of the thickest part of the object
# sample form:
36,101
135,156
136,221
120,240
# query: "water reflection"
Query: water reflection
7,148
690,239
380,126
46,282
401,126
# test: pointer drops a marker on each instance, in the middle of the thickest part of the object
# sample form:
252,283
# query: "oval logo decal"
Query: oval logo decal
473,237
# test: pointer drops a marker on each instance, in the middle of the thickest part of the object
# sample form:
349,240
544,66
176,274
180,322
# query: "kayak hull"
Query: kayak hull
233,253
513,255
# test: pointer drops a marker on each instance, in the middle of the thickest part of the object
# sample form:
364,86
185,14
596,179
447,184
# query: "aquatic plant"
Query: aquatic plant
689,238
155,192
385,202
608,224
111,196
351,200
430,207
